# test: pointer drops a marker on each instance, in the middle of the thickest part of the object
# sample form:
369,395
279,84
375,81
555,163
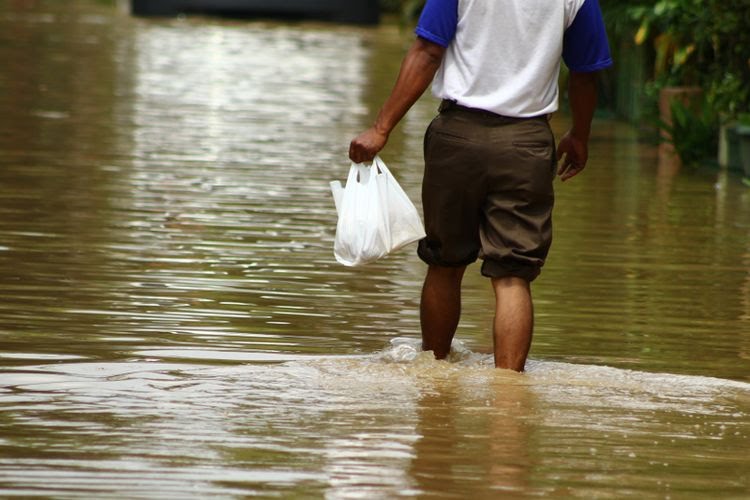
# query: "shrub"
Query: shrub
704,43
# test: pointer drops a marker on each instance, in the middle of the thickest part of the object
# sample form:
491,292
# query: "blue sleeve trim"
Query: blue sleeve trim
593,67
438,21
585,45
420,32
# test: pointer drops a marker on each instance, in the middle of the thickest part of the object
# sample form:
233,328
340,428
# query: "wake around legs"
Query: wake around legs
440,312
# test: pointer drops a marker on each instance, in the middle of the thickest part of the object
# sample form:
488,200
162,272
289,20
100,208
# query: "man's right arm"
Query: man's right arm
417,71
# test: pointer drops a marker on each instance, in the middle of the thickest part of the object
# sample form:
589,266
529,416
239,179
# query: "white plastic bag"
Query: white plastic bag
376,216
405,225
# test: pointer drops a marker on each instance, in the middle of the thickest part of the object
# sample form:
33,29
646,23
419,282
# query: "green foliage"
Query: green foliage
404,7
618,16
390,6
408,10
693,132
700,42
411,9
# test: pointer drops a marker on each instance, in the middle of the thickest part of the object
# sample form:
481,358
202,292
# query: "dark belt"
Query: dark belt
451,105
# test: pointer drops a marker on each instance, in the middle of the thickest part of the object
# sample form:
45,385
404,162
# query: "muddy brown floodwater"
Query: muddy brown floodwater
173,323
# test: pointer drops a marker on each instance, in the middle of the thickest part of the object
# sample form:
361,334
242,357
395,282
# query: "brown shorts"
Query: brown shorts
487,191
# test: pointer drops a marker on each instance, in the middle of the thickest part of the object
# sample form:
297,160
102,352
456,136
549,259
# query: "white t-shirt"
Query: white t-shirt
504,55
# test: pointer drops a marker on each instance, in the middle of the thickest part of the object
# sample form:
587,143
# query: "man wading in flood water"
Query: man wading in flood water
490,153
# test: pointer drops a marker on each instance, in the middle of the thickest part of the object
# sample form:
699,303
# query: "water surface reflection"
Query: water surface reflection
173,323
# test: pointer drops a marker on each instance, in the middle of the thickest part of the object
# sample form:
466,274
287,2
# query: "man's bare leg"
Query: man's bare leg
514,322
440,308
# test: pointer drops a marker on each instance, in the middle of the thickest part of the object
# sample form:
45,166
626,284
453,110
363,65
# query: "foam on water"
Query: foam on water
367,418
403,363
401,369
404,350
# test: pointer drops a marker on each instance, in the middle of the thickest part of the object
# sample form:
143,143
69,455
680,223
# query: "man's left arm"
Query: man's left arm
573,146
586,52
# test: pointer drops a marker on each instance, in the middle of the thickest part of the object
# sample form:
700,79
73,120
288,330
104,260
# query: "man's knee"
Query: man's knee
447,274
510,285
510,281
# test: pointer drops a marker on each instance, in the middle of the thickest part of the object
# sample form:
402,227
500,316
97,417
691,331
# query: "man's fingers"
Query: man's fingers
565,164
570,170
365,146
573,154
360,155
